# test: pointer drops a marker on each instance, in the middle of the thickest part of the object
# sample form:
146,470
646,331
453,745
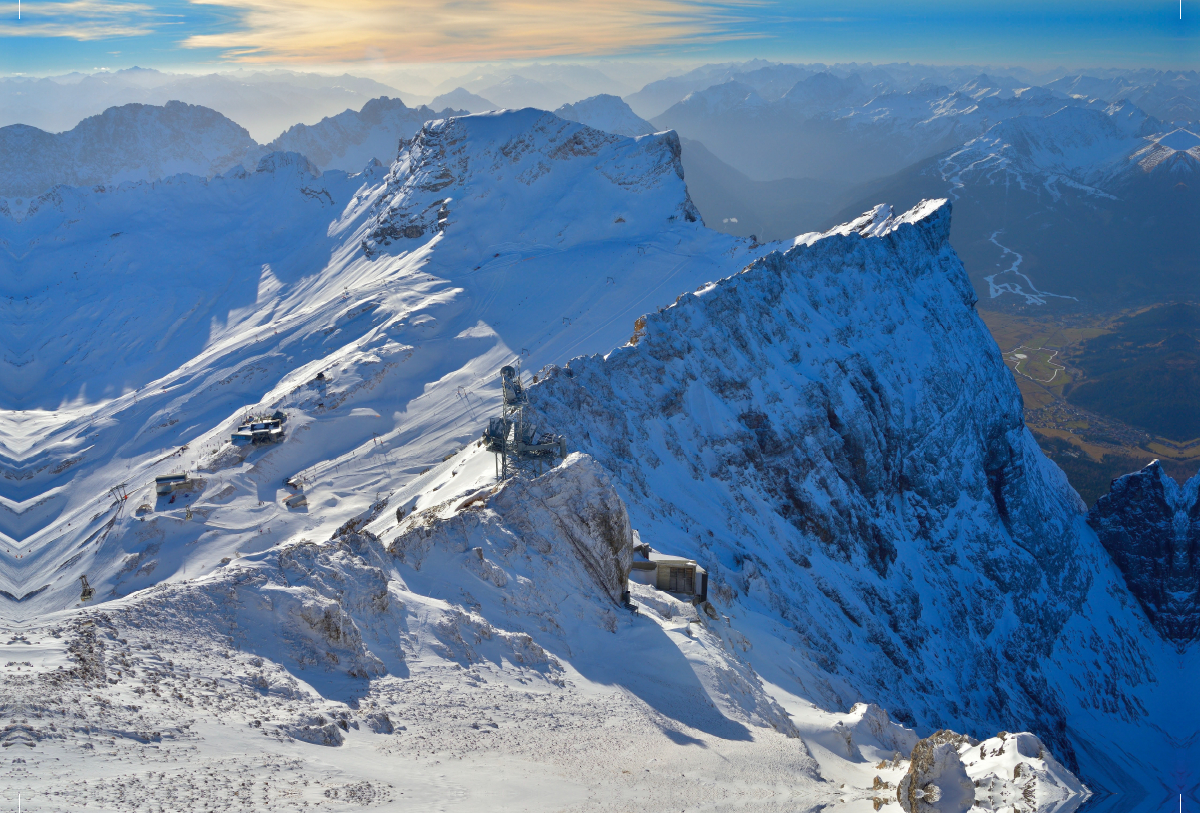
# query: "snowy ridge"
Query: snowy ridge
135,142
452,169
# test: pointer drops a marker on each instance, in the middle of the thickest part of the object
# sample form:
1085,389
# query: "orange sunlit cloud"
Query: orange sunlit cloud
460,31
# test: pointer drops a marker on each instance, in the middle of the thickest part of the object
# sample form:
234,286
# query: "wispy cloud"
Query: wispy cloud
82,20
463,30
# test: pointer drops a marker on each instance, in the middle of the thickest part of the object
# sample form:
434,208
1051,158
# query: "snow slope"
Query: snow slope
243,287
134,142
352,139
415,635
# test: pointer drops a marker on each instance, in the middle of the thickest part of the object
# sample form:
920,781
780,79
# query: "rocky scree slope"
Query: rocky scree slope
833,434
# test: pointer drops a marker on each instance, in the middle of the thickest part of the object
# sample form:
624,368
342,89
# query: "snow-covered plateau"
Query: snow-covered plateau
907,607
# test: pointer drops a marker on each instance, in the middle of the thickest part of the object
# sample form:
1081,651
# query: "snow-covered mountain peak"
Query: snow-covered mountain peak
824,91
1175,155
1086,148
133,142
984,86
351,139
1131,119
721,98
556,181
931,216
286,161
462,98
608,113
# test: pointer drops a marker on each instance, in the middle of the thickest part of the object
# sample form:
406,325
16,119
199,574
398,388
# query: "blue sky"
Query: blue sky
56,36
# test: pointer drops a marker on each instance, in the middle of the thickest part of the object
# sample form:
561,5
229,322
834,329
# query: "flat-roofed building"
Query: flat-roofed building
678,575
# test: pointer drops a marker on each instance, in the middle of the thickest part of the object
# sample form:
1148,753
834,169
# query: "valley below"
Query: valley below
1085,423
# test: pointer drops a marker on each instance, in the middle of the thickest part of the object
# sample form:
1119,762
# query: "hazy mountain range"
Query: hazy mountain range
264,102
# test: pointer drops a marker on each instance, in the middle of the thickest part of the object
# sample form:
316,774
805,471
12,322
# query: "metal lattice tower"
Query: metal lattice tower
513,434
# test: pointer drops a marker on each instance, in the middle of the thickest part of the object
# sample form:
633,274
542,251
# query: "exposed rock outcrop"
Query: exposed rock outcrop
937,781
1151,527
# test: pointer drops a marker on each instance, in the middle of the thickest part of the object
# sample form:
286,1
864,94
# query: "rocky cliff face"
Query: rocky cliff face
832,433
1151,527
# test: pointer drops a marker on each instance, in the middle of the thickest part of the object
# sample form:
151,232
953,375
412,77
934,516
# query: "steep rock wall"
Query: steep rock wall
832,432
1151,527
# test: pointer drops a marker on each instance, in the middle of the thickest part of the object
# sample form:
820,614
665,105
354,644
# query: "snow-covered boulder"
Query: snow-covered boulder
936,781
1016,771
